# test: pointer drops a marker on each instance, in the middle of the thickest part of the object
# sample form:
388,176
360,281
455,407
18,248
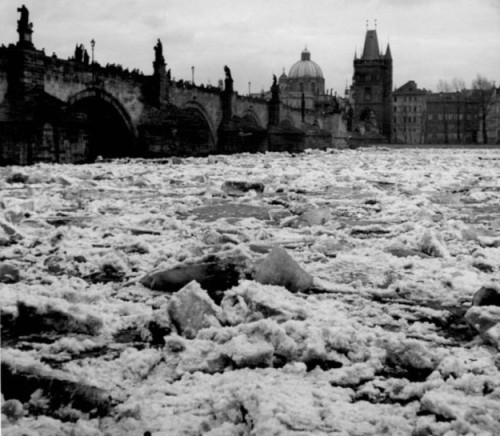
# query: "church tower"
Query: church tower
372,86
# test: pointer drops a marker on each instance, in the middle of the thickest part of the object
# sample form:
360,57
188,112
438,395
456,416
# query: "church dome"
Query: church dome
305,68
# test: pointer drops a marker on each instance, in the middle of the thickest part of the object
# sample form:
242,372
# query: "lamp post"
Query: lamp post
249,87
192,75
92,44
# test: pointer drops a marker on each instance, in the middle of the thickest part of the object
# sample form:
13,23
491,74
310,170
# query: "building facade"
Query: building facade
409,114
493,118
424,117
372,89
452,118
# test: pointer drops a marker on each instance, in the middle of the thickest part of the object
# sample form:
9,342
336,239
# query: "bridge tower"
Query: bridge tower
372,86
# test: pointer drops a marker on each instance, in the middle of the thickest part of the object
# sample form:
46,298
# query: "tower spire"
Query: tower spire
388,54
371,49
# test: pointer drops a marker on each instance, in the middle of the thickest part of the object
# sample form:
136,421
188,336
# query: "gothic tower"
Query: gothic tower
372,86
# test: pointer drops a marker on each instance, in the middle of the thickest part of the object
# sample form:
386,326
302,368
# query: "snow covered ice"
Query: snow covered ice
384,342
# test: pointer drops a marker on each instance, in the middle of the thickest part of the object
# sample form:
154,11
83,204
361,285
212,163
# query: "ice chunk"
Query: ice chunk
251,301
191,310
486,321
278,268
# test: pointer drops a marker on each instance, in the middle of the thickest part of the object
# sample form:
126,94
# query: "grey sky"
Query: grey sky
430,39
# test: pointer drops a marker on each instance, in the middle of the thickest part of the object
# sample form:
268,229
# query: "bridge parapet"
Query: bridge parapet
252,98
180,84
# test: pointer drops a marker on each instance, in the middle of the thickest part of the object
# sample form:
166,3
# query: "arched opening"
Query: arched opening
318,123
251,136
108,127
287,123
250,121
194,133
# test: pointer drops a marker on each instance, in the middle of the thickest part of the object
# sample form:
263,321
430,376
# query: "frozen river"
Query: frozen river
398,241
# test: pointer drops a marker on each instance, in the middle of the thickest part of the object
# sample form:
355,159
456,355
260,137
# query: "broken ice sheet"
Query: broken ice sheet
384,349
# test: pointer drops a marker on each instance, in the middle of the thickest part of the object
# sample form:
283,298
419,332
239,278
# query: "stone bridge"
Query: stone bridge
75,110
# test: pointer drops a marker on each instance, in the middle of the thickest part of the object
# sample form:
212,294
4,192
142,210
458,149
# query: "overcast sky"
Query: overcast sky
430,39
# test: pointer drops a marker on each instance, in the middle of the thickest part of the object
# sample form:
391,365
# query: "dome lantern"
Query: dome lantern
306,55
305,68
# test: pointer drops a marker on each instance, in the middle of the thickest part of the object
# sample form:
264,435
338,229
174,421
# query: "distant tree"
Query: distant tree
458,84
483,89
444,86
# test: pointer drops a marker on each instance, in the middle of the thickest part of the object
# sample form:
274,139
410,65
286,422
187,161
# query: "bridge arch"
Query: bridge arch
250,117
318,123
111,131
287,122
198,109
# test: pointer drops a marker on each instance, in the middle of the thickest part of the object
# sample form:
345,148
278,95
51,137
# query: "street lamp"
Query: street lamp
192,75
249,87
92,44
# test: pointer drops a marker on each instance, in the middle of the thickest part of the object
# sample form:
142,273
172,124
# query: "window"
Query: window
395,99
313,87
395,109
440,117
301,87
368,94
429,117
48,135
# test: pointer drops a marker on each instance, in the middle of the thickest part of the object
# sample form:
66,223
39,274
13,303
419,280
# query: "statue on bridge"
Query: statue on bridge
24,20
275,89
228,82
159,52
79,53
24,27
